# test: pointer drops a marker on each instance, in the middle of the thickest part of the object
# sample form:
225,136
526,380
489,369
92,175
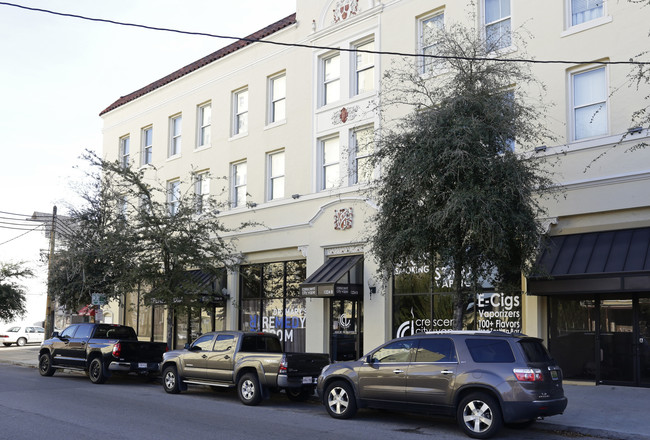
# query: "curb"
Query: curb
592,432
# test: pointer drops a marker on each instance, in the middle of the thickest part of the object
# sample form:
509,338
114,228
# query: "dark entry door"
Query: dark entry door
345,330
624,340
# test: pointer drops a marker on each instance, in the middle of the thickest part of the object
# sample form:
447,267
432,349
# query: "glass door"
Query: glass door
643,342
345,329
617,354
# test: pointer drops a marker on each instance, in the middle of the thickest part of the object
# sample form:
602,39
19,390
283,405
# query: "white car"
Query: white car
21,335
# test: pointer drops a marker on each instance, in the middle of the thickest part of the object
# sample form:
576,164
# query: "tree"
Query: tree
12,294
137,232
453,193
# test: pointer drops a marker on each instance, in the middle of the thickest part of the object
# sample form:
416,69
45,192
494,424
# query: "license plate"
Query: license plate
142,365
307,380
554,375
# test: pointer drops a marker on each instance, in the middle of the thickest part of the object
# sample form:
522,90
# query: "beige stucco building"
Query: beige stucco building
290,125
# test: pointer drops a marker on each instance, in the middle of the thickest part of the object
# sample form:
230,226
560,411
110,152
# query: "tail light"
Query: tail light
283,366
528,374
117,350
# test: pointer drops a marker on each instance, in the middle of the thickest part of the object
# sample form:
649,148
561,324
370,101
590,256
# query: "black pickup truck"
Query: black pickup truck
252,362
100,350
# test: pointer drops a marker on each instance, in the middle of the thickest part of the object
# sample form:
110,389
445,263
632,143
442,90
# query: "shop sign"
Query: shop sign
284,327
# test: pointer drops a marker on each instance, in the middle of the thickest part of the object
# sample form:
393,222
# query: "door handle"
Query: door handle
447,372
226,357
205,356
398,371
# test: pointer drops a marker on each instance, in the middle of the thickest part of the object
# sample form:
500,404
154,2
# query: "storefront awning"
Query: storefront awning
330,281
594,262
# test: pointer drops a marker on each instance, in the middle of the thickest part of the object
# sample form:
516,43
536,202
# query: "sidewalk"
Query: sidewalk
600,411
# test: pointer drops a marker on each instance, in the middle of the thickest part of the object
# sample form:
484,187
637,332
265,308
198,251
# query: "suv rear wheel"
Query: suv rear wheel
479,415
340,401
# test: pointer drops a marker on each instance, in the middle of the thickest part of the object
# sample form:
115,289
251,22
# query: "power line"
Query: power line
310,46
12,239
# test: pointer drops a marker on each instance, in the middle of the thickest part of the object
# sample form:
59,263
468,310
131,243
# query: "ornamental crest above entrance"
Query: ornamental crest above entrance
345,9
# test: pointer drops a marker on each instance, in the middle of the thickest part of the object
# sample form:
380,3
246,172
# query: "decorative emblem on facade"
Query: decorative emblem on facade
345,114
343,219
345,9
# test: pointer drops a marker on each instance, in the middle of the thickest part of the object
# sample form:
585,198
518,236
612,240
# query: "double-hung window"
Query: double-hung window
147,145
362,141
125,151
240,111
276,175
330,168
278,98
497,24
429,28
239,176
585,10
173,196
364,68
331,71
175,131
201,191
589,103
204,125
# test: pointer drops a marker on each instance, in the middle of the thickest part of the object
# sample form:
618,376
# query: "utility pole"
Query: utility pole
49,312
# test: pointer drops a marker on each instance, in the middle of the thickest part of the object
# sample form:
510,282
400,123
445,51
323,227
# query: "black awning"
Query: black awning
594,262
330,280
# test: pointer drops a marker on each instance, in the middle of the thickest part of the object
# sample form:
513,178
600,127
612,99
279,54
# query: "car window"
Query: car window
29,329
490,350
204,342
436,350
398,351
14,329
534,351
40,330
69,332
224,342
83,332
261,344
109,331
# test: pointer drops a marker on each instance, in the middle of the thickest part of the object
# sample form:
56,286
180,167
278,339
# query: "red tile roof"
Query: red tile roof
239,44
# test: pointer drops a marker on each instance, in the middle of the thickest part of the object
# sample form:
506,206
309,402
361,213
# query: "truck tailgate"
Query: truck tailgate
306,364
138,351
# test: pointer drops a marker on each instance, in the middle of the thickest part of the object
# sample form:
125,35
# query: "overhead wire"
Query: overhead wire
311,46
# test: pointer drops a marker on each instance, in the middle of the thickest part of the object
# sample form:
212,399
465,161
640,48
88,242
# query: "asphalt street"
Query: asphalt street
68,406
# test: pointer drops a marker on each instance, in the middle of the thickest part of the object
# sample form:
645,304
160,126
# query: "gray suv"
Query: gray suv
484,379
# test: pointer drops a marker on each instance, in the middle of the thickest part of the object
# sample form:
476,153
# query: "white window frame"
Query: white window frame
125,151
276,100
275,176
173,196
363,68
204,127
570,14
237,187
427,66
601,111
147,147
175,135
239,113
201,190
355,157
498,22
325,166
324,82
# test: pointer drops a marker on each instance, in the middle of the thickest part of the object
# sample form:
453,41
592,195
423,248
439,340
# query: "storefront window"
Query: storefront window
572,326
423,301
269,301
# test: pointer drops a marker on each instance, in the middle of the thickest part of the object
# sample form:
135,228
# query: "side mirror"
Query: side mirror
55,335
194,348
369,359
186,346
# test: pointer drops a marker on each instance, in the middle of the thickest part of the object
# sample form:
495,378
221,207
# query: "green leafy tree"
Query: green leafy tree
453,193
12,294
132,234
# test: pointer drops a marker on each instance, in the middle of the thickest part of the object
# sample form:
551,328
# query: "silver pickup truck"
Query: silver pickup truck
252,362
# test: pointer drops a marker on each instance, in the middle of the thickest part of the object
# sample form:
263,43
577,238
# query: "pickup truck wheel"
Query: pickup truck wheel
249,390
171,381
299,394
45,365
96,371
340,401
479,415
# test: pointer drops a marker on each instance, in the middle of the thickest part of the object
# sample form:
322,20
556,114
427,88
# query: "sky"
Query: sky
58,73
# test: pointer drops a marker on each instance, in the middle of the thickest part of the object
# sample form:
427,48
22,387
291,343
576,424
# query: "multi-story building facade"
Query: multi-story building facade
291,127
